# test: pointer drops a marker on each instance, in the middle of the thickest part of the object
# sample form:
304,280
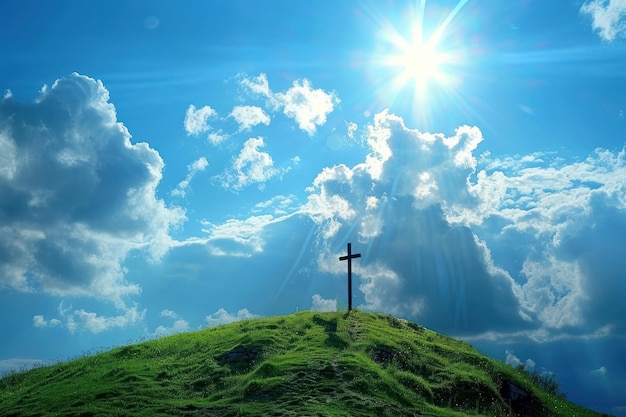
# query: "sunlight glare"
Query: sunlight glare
420,64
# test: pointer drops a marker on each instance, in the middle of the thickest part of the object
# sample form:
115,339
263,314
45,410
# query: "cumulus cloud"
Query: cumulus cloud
76,195
608,17
169,313
258,85
251,166
222,316
515,362
192,169
301,102
351,129
321,304
81,320
196,120
178,326
40,321
307,106
95,323
561,225
249,116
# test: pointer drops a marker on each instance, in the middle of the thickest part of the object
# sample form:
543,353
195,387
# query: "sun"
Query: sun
419,63
416,62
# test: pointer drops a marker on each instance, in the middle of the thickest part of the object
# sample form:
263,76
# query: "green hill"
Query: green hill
317,364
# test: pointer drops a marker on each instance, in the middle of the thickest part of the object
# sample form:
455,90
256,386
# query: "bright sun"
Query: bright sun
416,63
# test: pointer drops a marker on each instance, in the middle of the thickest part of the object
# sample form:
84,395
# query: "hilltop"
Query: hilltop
323,364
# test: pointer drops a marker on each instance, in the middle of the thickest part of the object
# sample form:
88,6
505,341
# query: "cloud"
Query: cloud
514,361
82,320
237,237
40,321
196,120
561,224
251,166
307,106
217,136
321,304
608,17
249,116
601,371
76,195
351,129
169,313
178,326
258,85
199,165
222,316
95,323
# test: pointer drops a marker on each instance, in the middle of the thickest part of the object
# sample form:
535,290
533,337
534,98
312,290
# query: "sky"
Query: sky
169,166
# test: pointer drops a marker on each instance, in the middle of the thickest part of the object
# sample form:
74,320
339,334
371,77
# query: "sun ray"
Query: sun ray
417,64
444,25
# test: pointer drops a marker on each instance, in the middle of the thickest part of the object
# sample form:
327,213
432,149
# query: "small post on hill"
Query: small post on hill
349,258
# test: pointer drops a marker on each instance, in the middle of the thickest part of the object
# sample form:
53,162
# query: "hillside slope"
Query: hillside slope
324,364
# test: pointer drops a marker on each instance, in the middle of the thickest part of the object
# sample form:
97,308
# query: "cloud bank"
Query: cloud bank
76,195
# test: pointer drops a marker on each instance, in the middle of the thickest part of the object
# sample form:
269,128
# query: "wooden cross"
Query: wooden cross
349,258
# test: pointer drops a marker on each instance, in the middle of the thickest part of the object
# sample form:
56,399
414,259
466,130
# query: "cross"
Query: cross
349,258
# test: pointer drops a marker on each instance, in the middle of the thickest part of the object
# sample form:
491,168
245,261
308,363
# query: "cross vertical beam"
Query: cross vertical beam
349,258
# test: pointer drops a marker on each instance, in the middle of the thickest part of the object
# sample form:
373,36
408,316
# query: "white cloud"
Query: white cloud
514,361
179,326
237,237
251,166
169,313
249,116
322,305
351,129
217,136
40,321
75,208
308,107
608,17
258,85
192,169
196,120
563,223
95,323
82,320
222,316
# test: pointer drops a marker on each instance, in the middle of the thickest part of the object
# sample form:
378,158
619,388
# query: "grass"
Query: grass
317,364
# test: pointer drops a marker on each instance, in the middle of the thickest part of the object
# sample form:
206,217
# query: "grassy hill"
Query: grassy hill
317,364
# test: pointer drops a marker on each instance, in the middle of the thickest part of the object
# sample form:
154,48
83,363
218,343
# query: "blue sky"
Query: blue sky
168,166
